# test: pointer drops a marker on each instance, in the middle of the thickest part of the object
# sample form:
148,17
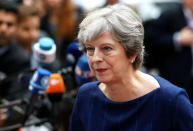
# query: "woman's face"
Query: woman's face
107,59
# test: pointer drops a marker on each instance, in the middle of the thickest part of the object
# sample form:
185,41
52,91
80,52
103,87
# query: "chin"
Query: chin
103,79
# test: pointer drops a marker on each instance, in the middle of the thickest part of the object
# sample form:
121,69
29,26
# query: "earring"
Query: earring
132,61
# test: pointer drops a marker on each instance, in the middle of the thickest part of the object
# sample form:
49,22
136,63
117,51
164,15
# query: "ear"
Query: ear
132,59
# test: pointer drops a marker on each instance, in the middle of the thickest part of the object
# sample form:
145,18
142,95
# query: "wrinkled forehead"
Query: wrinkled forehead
103,39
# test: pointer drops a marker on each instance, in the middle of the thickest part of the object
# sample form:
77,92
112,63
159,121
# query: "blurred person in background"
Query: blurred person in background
171,39
50,19
124,98
69,17
60,22
28,29
37,3
2,116
12,58
9,51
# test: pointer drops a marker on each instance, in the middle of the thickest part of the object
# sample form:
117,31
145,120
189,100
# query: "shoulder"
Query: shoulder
87,92
179,105
15,58
169,91
17,52
88,87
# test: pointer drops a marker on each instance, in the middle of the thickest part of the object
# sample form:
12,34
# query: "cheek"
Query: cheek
89,58
90,63
12,31
23,35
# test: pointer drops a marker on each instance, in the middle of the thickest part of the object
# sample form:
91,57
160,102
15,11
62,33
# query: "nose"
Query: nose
3,27
97,56
34,35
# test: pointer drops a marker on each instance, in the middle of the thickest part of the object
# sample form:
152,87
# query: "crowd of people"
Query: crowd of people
109,46
24,23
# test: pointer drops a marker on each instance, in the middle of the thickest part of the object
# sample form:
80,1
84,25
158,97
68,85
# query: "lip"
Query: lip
101,70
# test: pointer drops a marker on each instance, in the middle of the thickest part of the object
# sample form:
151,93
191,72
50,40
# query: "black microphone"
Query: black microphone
38,84
55,90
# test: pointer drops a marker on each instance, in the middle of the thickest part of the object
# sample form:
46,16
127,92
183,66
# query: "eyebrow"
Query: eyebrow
88,45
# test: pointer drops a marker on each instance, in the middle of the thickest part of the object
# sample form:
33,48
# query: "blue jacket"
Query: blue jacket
164,109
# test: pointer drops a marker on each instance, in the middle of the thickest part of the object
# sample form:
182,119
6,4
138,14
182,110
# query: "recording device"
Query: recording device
44,52
83,73
56,87
38,85
55,90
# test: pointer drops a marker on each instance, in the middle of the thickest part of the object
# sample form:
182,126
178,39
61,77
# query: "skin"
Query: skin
8,23
110,65
188,4
28,32
185,34
2,116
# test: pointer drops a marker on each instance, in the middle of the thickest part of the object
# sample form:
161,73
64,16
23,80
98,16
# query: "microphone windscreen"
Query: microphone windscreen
55,84
39,80
83,73
44,51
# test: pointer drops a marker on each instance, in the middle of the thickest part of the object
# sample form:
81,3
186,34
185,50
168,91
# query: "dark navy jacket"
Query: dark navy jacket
164,109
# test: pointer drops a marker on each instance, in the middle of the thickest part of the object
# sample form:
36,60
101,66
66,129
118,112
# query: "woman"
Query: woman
124,98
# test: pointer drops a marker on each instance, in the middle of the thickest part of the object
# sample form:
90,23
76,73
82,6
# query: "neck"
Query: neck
25,46
135,85
119,90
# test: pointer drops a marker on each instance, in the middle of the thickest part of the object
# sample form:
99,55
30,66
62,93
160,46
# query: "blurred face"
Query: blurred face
28,2
28,31
188,4
53,4
107,59
8,21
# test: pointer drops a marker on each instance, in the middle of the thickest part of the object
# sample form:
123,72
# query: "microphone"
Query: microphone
44,52
55,90
38,84
56,87
83,73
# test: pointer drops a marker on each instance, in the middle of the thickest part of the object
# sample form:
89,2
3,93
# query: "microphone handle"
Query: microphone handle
55,118
29,108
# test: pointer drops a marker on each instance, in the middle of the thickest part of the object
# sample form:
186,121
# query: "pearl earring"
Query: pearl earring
132,61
